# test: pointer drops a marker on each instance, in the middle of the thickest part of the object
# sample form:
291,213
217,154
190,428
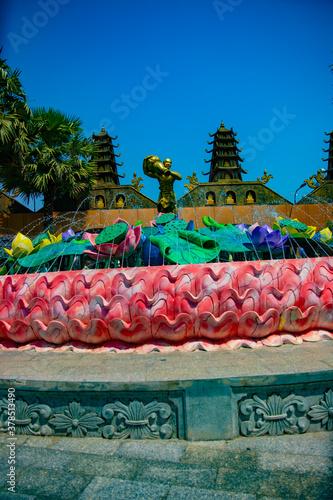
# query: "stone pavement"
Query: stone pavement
285,467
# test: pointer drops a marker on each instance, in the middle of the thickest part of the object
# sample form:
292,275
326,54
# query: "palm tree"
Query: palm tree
58,160
41,152
15,115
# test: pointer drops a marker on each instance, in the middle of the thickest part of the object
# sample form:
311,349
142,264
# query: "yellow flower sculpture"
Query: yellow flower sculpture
325,234
55,239
311,231
23,246
285,229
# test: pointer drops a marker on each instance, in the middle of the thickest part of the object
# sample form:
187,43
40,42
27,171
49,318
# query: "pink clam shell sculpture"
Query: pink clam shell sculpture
203,306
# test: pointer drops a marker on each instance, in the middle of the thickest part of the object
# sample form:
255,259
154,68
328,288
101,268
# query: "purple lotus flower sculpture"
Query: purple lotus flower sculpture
264,239
245,227
68,234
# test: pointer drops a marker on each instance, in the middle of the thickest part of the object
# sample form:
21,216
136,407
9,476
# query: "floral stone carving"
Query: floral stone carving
29,419
275,416
137,421
324,411
76,421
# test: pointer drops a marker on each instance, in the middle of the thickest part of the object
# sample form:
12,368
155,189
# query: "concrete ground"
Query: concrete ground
279,467
296,466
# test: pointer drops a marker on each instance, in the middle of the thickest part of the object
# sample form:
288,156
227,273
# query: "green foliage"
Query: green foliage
42,152
15,115
58,160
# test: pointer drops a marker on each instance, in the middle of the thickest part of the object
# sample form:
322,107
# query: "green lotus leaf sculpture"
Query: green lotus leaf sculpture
186,247
52,252
296,224
209,222
115,234
229,238
164,219
175,226
300,235
149,230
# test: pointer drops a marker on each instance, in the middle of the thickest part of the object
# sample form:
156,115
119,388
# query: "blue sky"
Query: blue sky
163,74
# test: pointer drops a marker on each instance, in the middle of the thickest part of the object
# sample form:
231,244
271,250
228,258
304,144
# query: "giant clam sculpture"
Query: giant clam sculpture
188,305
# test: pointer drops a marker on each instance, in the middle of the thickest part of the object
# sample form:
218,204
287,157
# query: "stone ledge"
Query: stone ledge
193,396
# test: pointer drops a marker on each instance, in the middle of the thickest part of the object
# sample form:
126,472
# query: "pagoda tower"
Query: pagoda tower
225,161
107,192
329,176
106,164
226,186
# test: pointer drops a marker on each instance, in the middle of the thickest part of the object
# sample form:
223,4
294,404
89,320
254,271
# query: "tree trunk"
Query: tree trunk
49,195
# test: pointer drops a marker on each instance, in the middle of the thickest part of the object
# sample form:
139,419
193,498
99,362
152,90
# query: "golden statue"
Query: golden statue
99,202
120,202
153,167
136,182
193,181
265,178
210,199
249,198
230,199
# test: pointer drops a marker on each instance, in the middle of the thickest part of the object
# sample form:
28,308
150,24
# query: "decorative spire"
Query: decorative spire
318,177
265,178
225,160
193,181
105,159
329,159
136,182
